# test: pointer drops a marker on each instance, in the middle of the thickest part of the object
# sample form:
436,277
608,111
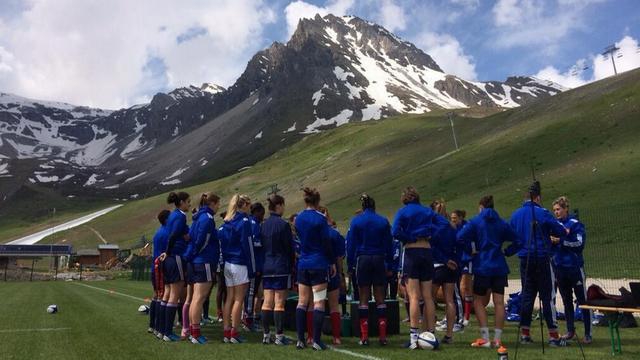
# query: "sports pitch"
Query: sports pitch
99,320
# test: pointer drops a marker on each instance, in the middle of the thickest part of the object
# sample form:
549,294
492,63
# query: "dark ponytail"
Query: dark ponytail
163,216
177,198
486,202
367,202
311,196
275,200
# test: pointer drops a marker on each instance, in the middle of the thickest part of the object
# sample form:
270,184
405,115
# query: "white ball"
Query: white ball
144,309
428,341
52,309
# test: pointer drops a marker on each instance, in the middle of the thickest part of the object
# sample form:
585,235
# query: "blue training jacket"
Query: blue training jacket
444,247
177,225
160,240
316,252
415,221
204,246
369,234
489,232
568,253
337,245
256,230
278,247
547,226
236,239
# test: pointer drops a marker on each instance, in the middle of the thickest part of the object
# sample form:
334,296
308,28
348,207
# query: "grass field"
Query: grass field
104,324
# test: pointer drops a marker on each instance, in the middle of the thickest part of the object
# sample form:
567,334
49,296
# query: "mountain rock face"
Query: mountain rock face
333,70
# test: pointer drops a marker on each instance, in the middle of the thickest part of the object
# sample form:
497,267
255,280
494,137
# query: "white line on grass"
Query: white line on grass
30,330
109,291
355,354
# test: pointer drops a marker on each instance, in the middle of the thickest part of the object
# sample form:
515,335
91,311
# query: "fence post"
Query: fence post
33,264
80,278
6,266
56,263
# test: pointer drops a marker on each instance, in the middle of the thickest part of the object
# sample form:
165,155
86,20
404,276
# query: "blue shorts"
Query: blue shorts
200,273
174,268
417,264
276,282
334,282
370,270
482,284
444,275
313,277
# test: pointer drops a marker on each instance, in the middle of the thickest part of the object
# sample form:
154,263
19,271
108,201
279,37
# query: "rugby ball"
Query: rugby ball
52,309
143,309
428,341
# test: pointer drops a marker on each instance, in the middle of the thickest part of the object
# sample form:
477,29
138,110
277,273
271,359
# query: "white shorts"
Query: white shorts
235,274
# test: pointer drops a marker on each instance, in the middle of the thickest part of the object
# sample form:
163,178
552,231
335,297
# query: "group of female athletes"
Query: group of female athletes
438,252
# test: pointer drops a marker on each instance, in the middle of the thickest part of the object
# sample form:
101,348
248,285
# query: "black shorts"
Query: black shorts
417,264
444,275
276,282
200,273
370,270
174,268
334,283
313,277
482,284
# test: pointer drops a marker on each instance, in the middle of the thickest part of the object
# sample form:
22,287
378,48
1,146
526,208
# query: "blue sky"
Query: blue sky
117,53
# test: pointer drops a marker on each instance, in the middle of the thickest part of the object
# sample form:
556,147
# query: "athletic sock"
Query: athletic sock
185,316
205,309
468,304
310,324
172,308
484,333
525,331
278,319
180,305
301,322
497,336
234,333
335,324
381,311
363,314
152,313
160,316
413,335
318,319
227,332
266,319
195,330
553,334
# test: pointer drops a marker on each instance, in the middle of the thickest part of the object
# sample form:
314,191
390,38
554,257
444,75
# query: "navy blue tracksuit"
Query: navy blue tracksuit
569,265
539,279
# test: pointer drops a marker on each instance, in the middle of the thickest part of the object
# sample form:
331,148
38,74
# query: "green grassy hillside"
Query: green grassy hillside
583,143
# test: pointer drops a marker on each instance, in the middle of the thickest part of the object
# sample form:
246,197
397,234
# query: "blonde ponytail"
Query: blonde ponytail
236,202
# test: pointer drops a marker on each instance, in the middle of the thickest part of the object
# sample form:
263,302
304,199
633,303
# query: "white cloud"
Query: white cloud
447,51
300,9
99,53
627,58
392,16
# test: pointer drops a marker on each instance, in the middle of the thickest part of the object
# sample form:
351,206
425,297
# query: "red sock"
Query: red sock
335,324
227,333
553,334
382,328
467,309
195,330
309,324
525,332
234,333
364,329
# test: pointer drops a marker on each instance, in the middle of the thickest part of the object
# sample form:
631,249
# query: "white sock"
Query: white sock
497,335
484,332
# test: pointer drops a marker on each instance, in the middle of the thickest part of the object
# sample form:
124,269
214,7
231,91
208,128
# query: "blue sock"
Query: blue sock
301,322
318,319
363,312
170,318
152,313
160,316
381,310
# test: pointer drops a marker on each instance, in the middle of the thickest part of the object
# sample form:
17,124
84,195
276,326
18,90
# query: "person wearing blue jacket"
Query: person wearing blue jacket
279,258
569,266
158,302
446,261
236,240
253,297
173,263
370,247
464,290
202,257
316,255
489,232
395,268
414,225
535,265
336,281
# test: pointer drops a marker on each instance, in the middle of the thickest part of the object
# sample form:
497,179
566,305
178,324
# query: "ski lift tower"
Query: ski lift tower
611,51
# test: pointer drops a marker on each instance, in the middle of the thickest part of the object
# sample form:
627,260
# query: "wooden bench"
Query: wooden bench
614,316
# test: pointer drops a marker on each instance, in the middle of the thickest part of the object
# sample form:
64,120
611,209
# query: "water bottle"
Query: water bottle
502,353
